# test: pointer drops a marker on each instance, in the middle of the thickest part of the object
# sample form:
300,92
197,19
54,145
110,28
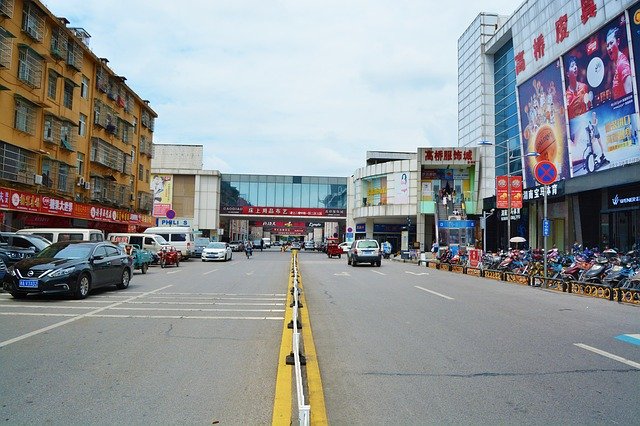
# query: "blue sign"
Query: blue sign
545,172
546,227
361,227
456,224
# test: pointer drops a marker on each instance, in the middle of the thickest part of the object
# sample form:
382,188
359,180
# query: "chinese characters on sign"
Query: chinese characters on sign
447,155
502,192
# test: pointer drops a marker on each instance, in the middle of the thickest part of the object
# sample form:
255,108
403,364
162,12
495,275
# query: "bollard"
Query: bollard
290,359
290,325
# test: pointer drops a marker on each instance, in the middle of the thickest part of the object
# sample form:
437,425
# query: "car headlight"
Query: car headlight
62,272
11,270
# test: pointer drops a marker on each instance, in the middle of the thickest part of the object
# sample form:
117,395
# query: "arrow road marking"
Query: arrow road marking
433,292
419,273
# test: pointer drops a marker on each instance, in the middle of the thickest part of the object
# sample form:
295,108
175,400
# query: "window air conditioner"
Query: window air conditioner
80,181
87,185
37,179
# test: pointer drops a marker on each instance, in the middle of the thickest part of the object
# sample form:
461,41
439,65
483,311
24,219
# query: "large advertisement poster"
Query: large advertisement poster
603,123
402,188
543,122
162,189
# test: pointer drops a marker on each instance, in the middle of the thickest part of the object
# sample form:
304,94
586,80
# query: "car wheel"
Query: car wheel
348,260
339,256
163,263
353,263
378,263
177,263
18,295
145,266
83,286
202,260
124,281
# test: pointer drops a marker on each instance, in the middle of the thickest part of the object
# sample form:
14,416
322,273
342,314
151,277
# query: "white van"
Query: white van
65,234
151,242
181,237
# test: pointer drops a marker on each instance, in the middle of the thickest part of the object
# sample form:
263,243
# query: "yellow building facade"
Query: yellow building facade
75,140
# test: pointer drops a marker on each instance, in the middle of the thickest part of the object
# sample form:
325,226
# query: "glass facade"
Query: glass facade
283,191
506,113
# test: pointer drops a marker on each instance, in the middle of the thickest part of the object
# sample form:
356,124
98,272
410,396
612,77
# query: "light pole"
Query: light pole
484,229
544,224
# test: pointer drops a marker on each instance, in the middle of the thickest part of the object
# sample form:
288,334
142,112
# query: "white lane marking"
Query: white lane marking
343,274
609,355
381,273
414,273
145,317
434,292
175,272
206,273
70,320
221,294
249,273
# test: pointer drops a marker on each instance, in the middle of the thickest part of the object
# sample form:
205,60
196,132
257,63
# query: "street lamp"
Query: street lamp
484,229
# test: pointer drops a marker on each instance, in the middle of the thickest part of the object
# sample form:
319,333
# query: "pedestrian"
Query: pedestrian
434,247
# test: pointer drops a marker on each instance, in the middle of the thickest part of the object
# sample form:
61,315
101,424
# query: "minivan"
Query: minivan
65,234
181,237
151,242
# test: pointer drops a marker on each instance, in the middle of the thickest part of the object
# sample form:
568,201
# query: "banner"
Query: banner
503,192
543,123
283,211
162,189
401,188
603,123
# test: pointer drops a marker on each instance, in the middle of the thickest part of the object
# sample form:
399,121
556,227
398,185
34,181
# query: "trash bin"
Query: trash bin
405,255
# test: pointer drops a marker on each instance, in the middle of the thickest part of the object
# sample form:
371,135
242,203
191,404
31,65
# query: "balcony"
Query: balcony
108,192
17,164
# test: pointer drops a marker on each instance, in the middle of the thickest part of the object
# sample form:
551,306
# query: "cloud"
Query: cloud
288,87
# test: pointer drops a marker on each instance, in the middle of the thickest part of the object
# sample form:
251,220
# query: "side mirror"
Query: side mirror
97,257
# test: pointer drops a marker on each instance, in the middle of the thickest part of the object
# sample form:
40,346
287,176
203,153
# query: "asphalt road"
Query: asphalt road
188,345
399,344
403,344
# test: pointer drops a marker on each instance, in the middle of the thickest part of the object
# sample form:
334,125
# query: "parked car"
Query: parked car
65,234
345,247
309,245
75,267
200,243
15,247
217,251
236,246
364,251
295,245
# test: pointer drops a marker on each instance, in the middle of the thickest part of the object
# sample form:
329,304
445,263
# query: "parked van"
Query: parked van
65,234
181,237
151,242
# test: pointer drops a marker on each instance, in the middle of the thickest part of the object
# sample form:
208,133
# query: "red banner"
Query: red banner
503,192
43,204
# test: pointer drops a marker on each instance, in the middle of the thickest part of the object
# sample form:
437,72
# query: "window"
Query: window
25,116
48,129
63,177
82,125
147,176
52,86
80,163
96,114
133,154
140,171
65,140
135,125
68,94
84,88
29,67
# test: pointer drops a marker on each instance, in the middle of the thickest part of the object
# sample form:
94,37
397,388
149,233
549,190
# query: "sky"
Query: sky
292,87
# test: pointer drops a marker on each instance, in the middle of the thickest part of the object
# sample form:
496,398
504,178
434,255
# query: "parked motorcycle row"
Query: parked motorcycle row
607,268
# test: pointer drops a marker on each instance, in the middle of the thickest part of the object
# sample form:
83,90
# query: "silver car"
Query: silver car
217,251
367,251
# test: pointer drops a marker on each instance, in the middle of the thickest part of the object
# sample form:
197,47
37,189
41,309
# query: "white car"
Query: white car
345,247
216,251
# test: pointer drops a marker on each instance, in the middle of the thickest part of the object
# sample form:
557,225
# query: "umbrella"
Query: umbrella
517,240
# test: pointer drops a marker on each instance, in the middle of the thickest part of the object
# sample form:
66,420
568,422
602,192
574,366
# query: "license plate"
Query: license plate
367,251
28,283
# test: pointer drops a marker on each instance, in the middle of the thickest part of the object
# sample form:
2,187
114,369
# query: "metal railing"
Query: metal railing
304,410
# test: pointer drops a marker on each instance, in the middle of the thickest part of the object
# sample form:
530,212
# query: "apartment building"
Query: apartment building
76,141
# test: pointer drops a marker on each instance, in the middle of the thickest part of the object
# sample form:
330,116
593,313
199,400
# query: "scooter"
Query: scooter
597,271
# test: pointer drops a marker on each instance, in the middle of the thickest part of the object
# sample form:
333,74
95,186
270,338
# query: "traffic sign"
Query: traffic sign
545,172
170,214
546,227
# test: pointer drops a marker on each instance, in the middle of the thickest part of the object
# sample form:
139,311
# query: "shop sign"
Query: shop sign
456,223
57,206
285,211
624,198
440,156
557,189
25,202
178,221
314,224
361,227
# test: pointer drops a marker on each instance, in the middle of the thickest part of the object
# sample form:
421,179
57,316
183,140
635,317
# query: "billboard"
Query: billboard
162,189
603,123
543,123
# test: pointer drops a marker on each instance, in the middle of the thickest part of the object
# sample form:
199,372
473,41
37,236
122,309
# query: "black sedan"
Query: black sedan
74,267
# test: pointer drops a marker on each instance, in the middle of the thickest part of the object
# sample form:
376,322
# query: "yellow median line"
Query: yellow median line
283,403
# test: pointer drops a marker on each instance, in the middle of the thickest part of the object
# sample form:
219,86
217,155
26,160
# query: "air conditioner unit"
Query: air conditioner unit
80,181
37,179
87,185
132,197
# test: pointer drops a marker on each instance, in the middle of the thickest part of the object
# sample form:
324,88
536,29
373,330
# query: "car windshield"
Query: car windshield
201,241
216,245
64,251
367,244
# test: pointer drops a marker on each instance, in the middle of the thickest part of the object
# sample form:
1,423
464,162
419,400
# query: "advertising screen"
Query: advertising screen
603,122
543,124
